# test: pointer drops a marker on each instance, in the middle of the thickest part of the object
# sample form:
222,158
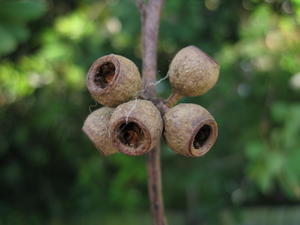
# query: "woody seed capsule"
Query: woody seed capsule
190,130
136,127
113,79
96,128
192,72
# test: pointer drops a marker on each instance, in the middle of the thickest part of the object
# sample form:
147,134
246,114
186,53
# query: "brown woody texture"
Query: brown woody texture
190,130
192,72
114,85
96,128
150,16
136,127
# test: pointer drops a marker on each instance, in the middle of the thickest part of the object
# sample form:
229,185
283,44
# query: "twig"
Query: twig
173,99
150,17
155,187
150,26
140,5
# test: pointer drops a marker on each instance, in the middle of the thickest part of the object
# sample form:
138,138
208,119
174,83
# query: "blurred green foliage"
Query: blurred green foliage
48,168
14,17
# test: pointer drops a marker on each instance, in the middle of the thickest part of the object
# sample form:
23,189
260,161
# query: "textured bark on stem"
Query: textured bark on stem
173,99
150,17
150,27
140,4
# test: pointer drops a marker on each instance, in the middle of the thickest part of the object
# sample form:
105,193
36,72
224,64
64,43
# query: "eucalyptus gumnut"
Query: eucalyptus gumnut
192,72
96,128
113,79
136,127
190,130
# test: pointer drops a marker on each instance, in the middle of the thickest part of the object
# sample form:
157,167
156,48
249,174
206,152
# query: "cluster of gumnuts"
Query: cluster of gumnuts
129,124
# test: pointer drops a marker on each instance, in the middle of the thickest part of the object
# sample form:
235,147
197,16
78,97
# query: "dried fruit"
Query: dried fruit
113,79
136,127
190,129
192,72
96,128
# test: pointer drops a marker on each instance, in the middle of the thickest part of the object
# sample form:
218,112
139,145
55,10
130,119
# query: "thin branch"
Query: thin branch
150,27
173,99
150,17
140,5
155,187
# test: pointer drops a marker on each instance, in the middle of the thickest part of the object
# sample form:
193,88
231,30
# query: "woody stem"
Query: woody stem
150,17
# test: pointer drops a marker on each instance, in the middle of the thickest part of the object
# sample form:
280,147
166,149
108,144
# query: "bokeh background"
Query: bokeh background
51,174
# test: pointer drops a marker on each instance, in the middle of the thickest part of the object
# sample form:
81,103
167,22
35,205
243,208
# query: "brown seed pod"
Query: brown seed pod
136,127
96,128
190,129
113,79
192,72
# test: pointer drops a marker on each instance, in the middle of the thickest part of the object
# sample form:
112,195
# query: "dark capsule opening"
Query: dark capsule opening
104,74
202,136
131,134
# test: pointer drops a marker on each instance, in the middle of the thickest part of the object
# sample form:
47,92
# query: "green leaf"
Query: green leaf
279,111
8,42
255,149
21,11
19,32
